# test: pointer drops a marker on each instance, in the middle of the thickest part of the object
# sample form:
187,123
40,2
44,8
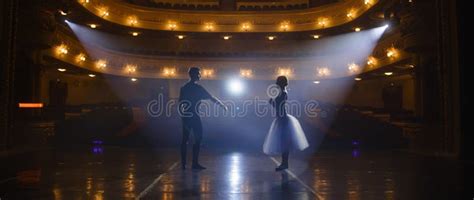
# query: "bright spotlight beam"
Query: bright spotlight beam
235,86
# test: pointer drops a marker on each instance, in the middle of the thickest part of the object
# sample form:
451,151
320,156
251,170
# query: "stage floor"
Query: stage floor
107,172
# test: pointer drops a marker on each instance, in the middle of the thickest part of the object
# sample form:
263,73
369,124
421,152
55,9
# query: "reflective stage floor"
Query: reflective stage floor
107,172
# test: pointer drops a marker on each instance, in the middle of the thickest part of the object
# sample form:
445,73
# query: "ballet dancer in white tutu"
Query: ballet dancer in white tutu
285,133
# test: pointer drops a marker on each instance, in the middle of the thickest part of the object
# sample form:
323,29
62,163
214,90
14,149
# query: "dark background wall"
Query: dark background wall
463,32
367,93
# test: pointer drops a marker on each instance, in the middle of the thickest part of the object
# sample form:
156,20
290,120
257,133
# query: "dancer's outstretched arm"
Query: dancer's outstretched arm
218,101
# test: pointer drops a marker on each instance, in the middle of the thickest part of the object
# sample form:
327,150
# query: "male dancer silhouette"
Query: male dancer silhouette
190,97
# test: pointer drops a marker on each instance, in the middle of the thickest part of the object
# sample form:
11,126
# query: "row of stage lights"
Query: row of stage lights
245,73
134,21
321,72
225,37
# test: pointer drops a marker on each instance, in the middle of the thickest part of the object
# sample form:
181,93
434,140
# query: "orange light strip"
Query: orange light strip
30,105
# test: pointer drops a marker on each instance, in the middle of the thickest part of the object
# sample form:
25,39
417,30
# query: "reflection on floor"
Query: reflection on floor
103,172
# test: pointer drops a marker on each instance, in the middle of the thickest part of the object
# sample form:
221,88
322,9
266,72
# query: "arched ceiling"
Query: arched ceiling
98,59
236,5
317,18
157,51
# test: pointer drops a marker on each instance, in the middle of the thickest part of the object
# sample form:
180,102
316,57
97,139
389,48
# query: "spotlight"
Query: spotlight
92,75
316,82
133,79
61,69
235,86
388,73
93,25
358,79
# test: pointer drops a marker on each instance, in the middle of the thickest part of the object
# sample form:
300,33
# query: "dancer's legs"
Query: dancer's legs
197,131
184,141
284,158
285,146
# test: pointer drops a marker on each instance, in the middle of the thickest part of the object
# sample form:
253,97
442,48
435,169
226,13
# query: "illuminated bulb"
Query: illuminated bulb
316,36
351,14
371,61
61,69
131,68
353,68
133,79
132,20
105,13
92,75
316,82
324,71
226,37
357,79
245,27
323,22
388,73
93,25
61,49
135,34
80,58
271,37
101,64
247,73
172,26
169,71
62,13
357,29
284,72
180,37
207,72
284,26
391,52
209,27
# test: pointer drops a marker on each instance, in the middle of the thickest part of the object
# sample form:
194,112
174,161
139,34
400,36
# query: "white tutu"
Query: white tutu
285,134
